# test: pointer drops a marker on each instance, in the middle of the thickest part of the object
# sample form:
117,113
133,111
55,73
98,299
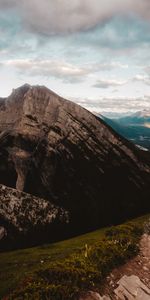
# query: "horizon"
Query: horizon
108,114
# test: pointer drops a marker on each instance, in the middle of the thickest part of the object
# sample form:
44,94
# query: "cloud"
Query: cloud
46,68
115,104
63,16
110,66
147,69
59,69
104,84
142,78
118,33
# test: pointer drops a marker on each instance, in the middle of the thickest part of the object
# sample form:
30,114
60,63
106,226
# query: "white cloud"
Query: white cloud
46,68
104,84
59,69
115,104
61,16
142,78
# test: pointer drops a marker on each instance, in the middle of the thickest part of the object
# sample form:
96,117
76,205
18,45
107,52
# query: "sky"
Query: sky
93,52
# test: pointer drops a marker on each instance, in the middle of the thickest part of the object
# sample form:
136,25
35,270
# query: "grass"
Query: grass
83,260
16,265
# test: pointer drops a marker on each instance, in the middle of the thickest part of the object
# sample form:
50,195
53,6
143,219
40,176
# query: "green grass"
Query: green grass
16,266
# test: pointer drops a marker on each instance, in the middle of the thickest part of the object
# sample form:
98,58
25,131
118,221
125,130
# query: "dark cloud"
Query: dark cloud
62,16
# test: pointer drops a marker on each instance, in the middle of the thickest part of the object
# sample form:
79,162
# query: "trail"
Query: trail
133,277
130,281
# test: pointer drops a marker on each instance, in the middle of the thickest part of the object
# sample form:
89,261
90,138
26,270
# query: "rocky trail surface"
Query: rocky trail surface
130,281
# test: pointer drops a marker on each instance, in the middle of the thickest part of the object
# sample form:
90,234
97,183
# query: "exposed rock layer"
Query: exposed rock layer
26,220
54,149
132,288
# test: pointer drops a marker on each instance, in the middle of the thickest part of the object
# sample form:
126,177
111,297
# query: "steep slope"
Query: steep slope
56,150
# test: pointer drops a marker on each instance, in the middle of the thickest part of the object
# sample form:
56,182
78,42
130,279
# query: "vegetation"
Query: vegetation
59,271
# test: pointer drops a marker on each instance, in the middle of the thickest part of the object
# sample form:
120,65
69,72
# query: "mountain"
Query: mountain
140,117
135,127
56,150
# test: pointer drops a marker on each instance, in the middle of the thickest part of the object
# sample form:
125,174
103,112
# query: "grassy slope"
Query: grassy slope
17,265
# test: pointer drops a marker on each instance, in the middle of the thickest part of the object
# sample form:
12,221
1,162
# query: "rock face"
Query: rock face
132,288
56,150
129,287
26,220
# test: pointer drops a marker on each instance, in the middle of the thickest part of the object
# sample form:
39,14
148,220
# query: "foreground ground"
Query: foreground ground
93,255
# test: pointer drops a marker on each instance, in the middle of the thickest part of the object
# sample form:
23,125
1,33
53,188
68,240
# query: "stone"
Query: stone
94,296
132,288
145,268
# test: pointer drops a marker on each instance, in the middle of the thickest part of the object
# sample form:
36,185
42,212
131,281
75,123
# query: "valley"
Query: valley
135,127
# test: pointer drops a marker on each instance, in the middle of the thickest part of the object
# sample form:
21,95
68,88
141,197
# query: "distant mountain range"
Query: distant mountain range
53,149
135,127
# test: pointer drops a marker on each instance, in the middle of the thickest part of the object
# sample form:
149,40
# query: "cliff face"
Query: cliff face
26,220
56,150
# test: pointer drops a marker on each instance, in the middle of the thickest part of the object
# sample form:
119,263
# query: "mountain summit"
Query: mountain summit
54,149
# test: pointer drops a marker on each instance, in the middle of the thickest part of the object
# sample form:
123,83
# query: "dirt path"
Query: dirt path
139,266
130,281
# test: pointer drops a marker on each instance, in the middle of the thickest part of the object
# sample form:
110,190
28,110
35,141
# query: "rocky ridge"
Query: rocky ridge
27,220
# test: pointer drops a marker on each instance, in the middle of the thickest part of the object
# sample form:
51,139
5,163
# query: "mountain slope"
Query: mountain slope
56,150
